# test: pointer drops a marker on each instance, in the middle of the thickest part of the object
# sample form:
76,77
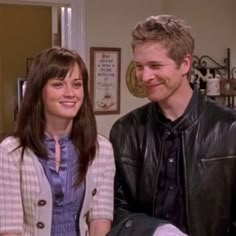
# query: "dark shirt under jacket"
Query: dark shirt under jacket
170,197
170,185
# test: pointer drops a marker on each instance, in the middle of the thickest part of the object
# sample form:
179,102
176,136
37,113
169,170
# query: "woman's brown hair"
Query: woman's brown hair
30,127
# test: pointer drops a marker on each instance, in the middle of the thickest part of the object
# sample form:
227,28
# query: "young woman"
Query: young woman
56,173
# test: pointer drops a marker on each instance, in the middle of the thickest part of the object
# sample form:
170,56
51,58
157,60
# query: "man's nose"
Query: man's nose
147,74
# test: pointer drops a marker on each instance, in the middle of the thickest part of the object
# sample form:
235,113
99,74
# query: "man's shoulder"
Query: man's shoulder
218,118
135,120
220,112
139,114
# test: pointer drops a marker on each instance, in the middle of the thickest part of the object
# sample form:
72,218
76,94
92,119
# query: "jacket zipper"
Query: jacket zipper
217,158
186,185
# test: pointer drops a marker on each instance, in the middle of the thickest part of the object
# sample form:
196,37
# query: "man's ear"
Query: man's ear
186,64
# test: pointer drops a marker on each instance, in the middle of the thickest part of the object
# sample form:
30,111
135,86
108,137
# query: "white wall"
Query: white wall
109,24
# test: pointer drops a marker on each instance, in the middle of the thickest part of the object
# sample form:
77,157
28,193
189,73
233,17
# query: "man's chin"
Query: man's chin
154,97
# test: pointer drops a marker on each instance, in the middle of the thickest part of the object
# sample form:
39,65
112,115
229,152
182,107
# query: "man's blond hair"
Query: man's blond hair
168,30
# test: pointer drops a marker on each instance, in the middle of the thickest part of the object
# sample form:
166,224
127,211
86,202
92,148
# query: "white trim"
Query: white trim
54,20
66,27
78,27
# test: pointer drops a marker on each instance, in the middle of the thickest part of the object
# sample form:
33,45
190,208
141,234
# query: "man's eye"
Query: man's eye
155,66
138,67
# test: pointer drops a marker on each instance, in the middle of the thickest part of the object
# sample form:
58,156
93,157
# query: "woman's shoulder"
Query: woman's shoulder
104,149
11,150
103,142
10,144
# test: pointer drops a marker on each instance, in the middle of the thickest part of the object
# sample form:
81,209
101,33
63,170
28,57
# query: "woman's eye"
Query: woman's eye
57,84
77,84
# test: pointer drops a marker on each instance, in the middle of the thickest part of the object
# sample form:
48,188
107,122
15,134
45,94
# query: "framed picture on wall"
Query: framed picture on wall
105,79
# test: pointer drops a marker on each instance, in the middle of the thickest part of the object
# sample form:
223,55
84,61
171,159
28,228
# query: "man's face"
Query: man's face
160,75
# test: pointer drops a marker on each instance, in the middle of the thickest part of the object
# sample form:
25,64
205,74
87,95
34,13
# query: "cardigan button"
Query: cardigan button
40,225
41,203
94,192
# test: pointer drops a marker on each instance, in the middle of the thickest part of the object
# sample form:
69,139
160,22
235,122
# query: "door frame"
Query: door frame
78,20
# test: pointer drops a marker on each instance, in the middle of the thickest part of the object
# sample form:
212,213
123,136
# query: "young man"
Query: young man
175,156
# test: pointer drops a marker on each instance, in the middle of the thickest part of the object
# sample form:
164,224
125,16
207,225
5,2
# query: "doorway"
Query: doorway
14,60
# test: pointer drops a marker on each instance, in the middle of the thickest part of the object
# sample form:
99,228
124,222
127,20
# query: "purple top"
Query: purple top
67,198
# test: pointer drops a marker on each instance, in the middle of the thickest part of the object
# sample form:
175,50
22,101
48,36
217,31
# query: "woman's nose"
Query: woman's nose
69,91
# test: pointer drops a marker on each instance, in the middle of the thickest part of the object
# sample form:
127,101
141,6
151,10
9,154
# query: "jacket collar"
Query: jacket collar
191,113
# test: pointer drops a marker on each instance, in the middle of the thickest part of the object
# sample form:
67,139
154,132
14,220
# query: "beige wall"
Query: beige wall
212,23
24,31
109,24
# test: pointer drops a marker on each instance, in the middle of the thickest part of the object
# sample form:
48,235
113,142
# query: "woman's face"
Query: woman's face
62,99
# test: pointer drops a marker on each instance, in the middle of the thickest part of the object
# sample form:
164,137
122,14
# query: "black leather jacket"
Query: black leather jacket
208,133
